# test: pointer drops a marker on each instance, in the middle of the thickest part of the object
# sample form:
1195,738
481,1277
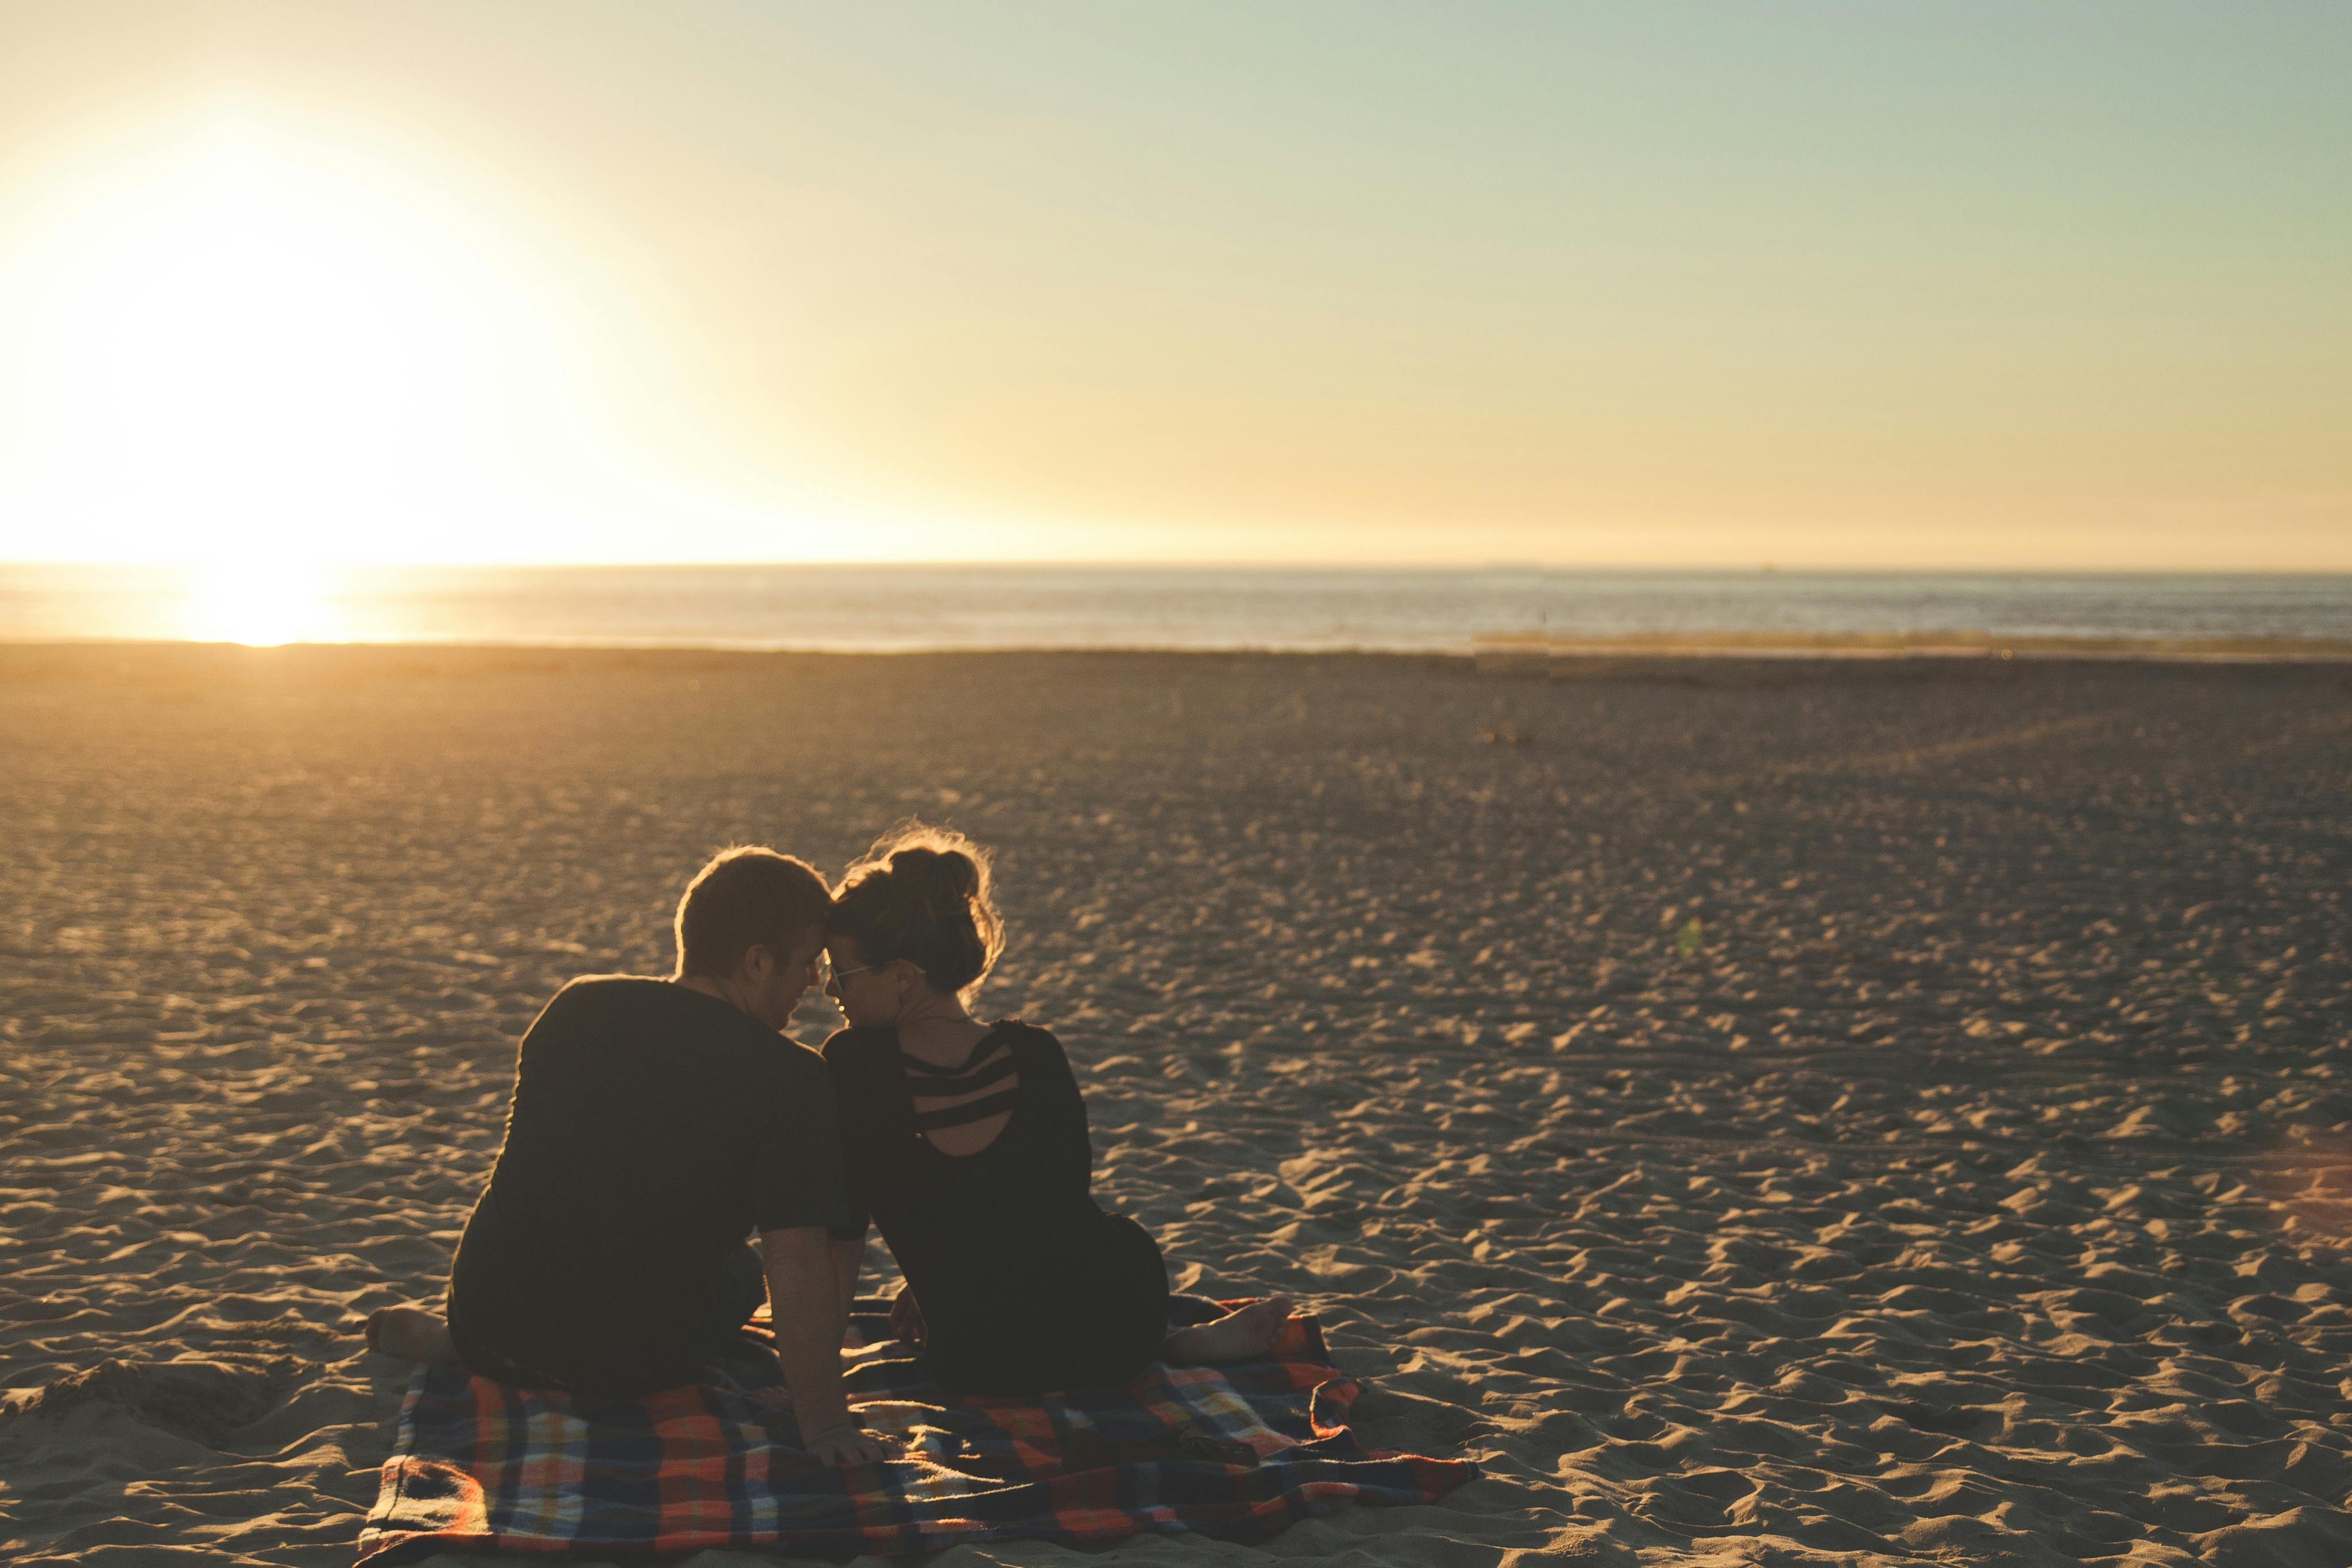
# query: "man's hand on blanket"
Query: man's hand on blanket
847,1443
802,1293
906,1319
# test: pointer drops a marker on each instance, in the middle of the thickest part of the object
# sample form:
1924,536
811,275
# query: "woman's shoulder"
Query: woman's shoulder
859,1045
1033,1047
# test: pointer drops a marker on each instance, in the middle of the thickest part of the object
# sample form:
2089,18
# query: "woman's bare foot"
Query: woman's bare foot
1238,1335
412,1333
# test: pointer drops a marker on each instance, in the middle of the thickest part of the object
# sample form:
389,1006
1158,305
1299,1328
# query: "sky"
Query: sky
1927,285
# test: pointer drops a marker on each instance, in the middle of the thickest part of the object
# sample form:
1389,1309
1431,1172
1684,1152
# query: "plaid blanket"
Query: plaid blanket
1236,1451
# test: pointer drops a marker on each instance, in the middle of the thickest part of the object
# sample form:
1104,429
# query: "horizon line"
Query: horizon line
1761,569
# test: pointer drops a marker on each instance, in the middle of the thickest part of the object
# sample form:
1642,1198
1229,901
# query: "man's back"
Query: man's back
653,1127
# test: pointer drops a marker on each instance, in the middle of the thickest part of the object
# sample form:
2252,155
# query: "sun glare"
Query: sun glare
256,340
244,350
259,603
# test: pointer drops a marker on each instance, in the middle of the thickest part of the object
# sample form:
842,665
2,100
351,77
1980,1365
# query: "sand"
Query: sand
1765,1112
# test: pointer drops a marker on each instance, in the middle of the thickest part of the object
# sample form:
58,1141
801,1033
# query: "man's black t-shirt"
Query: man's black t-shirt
652,1129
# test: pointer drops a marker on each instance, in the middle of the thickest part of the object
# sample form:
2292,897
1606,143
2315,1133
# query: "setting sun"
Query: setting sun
247,349
238,342
261,603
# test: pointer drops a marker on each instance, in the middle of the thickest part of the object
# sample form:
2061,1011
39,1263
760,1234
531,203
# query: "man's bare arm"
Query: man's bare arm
848,1257
802,1293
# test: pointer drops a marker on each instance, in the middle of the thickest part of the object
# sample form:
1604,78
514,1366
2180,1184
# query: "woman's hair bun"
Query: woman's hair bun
921,894
951,872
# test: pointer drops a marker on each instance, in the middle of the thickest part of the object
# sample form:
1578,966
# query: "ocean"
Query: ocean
905,608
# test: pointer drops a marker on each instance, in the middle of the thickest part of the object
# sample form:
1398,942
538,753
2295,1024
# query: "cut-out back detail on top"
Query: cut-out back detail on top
928,1080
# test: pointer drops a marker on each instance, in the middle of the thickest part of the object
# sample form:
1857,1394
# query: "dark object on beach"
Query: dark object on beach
1693,933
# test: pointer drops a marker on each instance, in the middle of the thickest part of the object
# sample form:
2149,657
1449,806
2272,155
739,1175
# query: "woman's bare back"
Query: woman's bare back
948,1068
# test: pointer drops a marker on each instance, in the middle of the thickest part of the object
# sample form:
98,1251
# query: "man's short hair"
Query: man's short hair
747,897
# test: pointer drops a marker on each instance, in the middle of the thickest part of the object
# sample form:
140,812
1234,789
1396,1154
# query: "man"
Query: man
654,1124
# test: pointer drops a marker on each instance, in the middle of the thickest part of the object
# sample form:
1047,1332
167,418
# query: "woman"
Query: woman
966,1143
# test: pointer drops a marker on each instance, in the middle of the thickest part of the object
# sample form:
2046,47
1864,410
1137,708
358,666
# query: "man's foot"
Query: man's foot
412,1333
1240,1335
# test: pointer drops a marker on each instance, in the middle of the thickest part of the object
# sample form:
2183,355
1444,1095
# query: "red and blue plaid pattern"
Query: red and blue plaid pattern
478,1466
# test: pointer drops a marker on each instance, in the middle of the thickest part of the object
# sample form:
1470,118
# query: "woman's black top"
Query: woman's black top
1025,1285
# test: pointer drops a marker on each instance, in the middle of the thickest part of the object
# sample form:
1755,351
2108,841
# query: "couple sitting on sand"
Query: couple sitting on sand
656,1124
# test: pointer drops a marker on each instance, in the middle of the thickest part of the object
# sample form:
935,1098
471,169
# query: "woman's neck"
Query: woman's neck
938,1026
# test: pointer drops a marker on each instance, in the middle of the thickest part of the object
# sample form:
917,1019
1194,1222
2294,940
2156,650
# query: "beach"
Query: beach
1764,1110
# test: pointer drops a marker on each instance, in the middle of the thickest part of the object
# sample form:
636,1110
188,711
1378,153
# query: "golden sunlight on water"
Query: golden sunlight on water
261,604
